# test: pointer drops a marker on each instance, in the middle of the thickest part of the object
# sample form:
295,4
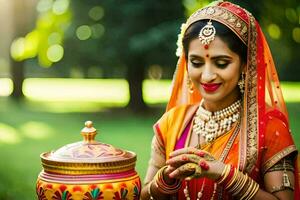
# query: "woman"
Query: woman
225,133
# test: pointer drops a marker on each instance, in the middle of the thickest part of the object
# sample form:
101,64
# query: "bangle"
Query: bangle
224,174
149,191
227,175
164,187
233,179
239,188
254,191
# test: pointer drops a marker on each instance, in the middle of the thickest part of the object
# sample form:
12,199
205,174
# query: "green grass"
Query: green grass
25,134
29,133
39,125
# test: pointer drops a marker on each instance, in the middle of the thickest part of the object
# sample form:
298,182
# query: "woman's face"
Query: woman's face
215,72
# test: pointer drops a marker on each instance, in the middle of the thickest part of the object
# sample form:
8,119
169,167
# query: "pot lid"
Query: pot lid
88,156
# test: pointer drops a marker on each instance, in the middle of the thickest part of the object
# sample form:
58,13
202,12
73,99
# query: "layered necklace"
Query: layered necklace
211,125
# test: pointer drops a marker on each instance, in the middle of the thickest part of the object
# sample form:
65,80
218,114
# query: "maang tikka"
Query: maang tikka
207,33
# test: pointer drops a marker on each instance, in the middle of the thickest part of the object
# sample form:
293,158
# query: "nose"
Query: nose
208,74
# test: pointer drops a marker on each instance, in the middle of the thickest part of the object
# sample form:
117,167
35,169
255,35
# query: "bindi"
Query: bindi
207,56
206,46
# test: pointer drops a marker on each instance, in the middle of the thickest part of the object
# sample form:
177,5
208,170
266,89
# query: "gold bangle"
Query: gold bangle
233,180
164,187
149,191
254,191
238,190
238,182
248,189
225,173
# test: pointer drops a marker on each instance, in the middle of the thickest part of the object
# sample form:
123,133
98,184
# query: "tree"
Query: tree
20,24
138,33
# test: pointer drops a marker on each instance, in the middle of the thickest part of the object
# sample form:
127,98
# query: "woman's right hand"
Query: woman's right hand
188,163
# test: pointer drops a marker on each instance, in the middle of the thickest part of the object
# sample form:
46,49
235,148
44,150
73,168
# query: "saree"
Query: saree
263,137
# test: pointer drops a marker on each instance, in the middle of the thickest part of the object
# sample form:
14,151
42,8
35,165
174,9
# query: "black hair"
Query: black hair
234,43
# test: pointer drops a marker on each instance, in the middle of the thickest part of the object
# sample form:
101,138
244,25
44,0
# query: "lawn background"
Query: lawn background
33,126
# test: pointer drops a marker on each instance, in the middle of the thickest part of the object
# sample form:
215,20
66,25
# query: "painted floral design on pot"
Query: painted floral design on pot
88,170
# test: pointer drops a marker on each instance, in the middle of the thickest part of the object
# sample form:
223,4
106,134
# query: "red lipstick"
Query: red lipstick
210,87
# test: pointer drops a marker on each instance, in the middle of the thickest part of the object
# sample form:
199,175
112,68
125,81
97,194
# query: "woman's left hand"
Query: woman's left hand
188,163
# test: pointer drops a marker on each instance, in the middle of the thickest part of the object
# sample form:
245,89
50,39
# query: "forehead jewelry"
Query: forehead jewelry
207,34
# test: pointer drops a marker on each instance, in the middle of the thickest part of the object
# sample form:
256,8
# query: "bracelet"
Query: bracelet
224,174
240,188
241,182
251,191
237,183
227,175
164,187
149,191
281,188
233,180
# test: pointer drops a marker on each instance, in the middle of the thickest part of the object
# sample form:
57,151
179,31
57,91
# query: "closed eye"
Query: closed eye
222,64
196,63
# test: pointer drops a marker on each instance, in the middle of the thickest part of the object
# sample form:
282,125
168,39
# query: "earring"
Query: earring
190,85
241,83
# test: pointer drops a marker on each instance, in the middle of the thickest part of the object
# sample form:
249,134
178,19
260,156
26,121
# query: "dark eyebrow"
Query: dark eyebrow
195,56
221,57
214,57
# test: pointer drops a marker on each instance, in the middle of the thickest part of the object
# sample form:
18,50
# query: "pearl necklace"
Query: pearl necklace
200,193
213,124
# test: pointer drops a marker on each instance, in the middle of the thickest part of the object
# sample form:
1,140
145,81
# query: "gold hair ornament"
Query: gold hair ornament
207,33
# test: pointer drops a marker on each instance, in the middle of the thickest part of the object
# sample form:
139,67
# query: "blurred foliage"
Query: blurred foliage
123,38
122,34
103,38
46,39
281,24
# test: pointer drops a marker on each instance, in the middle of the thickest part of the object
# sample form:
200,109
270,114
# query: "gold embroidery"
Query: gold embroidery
252,131
272,161
224,16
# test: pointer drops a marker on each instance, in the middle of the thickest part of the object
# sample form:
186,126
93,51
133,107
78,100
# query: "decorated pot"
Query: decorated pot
88,170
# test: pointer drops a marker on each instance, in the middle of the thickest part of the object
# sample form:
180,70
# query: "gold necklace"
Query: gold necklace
213,124
222,159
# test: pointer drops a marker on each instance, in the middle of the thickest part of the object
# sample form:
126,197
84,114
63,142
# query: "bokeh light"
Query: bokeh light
54,38
36,130
60,7
296,34
55,53
31,44
96,13
6,86
44,5
17,48
155,72
97,30
274,31
291,15
83,32
8,134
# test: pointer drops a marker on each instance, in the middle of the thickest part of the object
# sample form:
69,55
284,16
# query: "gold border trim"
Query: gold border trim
252,111
224,16
70,168
278,156
130,178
